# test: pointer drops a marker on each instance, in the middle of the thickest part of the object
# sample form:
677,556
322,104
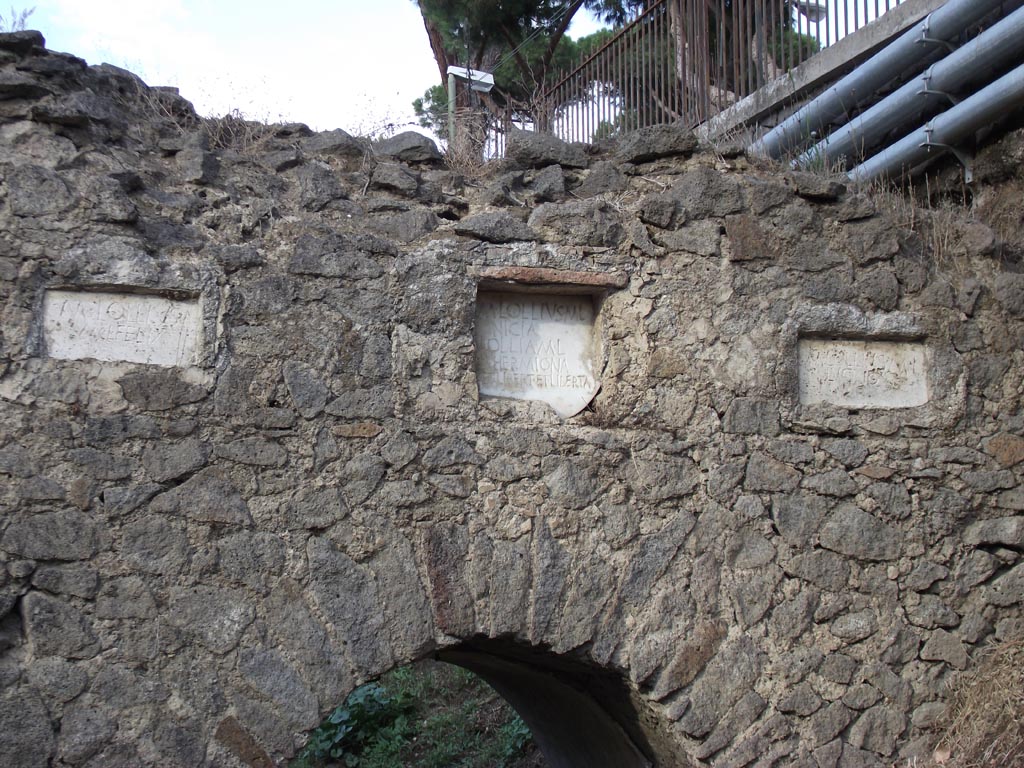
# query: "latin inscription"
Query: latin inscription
862,374
121,327
536,347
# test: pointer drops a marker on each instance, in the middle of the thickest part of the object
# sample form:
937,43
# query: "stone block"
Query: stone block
654,142
211,616
584,223
55,628
67,535
270,674
765,474
85,728
29,740
154,544
169,461
347,597
751,416
78,579
856,533
1006,448
208,496
159,390
531,149
942,646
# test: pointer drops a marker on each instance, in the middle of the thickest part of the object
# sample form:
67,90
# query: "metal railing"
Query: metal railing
687,60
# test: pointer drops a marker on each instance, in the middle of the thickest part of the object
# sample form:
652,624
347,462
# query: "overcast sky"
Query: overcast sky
352,64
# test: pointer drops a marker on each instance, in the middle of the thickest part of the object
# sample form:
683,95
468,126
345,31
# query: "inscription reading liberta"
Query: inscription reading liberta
862,374
536,347
121,327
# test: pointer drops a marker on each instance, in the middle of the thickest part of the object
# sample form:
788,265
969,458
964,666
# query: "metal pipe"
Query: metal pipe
995,48
906,54
945,131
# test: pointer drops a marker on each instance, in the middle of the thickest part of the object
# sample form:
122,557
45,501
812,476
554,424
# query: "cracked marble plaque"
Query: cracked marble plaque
537,347
121,327
862,374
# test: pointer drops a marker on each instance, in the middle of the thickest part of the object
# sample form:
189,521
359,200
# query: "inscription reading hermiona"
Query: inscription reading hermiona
121,327
862,374
536,347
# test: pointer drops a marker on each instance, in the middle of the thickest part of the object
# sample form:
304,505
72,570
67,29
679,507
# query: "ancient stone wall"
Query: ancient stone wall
246,463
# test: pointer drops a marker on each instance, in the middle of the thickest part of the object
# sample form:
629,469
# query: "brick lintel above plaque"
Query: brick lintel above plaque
545,279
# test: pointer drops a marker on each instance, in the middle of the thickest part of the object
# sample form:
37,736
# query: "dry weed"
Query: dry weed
17,20
941,226
466,158
234,131
986,725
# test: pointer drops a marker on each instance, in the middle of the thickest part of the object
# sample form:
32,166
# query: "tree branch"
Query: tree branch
556,36
437,46
522,63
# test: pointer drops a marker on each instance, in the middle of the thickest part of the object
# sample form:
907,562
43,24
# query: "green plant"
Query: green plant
16,20
368,721
514,737
425,715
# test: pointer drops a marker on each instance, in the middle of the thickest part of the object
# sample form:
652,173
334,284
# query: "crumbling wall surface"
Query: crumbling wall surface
200,559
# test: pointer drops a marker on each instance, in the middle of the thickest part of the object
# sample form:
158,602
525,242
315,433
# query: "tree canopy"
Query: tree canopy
525,45
522,42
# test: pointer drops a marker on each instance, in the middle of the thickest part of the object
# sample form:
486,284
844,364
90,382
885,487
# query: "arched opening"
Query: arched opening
577,713
426,714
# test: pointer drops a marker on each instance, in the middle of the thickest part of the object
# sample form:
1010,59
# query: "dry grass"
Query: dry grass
986,728
234,131
940,225
985,721
16,20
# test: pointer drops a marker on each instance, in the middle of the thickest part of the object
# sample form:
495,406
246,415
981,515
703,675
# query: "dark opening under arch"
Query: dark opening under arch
581,715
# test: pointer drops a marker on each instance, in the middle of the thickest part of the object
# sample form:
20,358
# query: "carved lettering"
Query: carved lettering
862,374
121,327
536,347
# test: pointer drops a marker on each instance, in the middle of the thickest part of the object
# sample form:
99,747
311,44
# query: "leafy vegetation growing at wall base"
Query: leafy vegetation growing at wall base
426,715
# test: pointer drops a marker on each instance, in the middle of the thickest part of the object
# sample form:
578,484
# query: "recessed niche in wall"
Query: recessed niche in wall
862,373
122,327
537,346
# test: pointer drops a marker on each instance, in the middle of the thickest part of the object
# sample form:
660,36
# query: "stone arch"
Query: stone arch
579,714
414,598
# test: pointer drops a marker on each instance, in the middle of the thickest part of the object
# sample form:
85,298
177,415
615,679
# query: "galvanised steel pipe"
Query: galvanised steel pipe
947,130
906,54
996,48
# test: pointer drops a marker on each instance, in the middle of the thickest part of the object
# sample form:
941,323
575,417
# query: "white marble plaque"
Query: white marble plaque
863,374
537,347
121,327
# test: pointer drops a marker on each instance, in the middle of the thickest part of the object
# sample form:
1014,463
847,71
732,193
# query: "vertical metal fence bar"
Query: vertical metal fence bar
756,44
581,109
681,32
619,72
738,48
723,61
627,101
708,61
656,81
632,75
739,42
